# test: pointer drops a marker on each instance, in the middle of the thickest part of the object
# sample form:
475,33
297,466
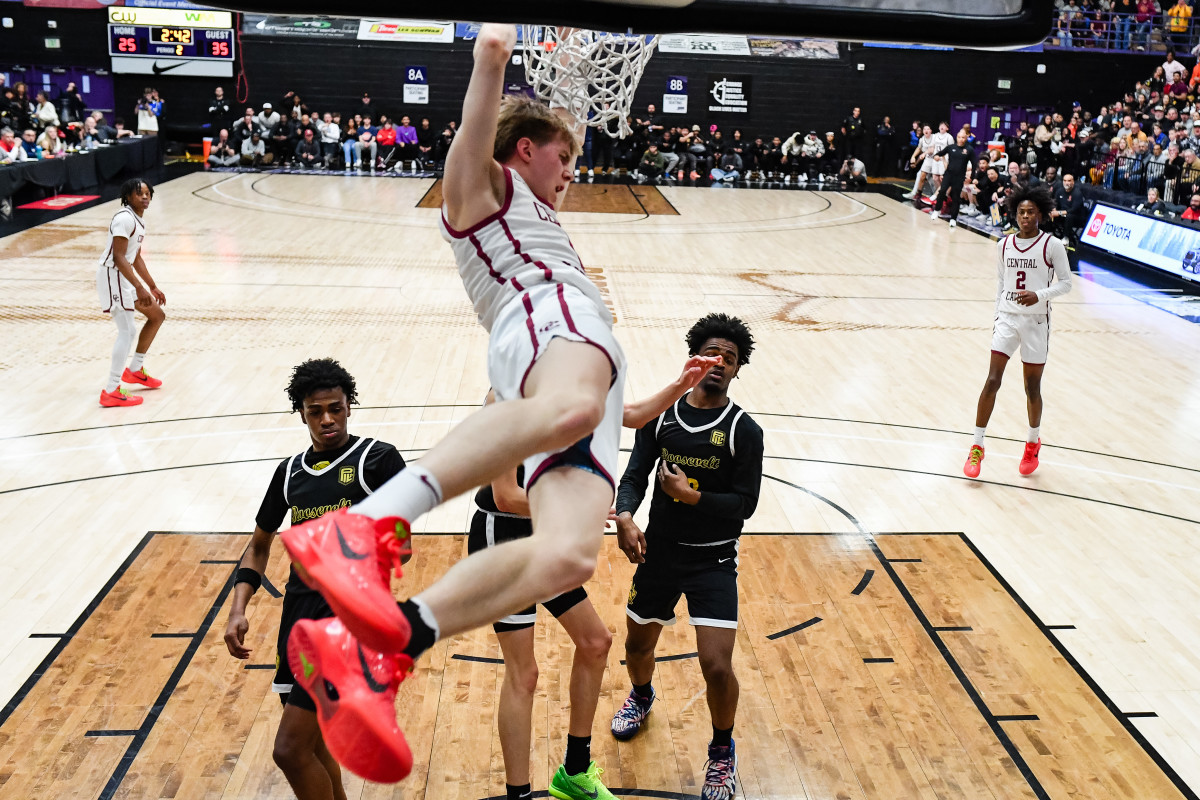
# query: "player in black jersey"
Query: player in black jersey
338,470
707,455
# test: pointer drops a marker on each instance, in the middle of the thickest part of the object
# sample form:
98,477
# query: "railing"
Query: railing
1138,174
1120,33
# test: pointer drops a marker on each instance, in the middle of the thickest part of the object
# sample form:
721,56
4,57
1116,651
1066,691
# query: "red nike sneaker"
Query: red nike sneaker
349,559
974,459
118,398
140,377
1029,461
354,689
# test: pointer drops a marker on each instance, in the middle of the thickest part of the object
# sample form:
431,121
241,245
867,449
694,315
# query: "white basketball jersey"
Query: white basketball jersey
1031,265
520,246
128,224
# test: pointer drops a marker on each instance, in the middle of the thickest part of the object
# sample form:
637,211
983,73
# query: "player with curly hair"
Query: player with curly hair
336,471
707,456
124,285
1032,269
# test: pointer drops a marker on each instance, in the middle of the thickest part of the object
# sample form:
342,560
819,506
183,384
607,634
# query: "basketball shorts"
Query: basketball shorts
521,333
114,292
931,167
1030,331
489,529
296,606
705,574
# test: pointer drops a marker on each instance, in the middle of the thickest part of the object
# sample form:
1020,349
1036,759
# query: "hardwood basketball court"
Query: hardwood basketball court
904,632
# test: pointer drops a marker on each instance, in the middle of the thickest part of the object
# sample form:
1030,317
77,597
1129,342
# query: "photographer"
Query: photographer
853,174
149,109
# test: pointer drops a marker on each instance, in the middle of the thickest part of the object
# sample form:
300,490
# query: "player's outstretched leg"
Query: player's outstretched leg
983,412
567,395
355,692
1033,404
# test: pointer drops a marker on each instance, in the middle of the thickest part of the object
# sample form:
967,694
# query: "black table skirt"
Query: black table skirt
82,170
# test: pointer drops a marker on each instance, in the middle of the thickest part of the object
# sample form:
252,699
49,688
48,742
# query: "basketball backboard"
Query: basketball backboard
984,23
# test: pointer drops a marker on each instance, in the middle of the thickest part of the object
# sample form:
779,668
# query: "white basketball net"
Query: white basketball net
593,74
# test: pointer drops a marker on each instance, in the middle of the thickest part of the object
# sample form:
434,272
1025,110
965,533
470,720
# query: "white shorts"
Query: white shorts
931,167
1030,331
113,290
522,332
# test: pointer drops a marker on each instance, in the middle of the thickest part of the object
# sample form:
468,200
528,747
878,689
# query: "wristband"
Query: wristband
247,575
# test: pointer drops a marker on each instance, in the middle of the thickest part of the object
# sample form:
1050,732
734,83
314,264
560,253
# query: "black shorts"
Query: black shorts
706,574
489,529
296,606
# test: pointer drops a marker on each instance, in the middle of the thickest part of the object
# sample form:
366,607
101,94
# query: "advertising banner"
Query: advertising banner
405,30
1153,241
711,44
299,27
728,94
771,47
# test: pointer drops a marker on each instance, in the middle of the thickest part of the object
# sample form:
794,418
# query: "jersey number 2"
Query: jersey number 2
1021,279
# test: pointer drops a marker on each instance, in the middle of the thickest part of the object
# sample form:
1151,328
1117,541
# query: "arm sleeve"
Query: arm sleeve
383,465
943,151
274,506
1062,273
747,478
632,490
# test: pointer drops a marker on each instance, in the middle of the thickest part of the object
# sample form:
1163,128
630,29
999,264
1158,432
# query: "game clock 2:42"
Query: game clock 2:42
164,41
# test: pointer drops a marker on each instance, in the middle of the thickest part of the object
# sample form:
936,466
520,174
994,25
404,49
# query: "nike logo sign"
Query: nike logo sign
160,70
346,549
722,560
297,472
376,686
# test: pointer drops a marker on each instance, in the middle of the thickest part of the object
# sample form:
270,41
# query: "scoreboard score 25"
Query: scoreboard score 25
165,33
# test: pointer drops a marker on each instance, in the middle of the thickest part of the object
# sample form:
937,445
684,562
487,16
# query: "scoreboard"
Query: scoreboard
170,34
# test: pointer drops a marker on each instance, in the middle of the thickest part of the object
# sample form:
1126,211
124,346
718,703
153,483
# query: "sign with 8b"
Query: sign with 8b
675,98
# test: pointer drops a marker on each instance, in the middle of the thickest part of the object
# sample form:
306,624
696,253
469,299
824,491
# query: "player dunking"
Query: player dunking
709,456
124,285
558,371
337,470
1029,261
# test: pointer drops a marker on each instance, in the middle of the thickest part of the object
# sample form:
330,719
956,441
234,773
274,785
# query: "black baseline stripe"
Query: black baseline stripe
879,661
1060,627
952,628
904,560
1140,714
480,659
270,587
787,631
259,666
48,635
65,639
862,584
160,703
679,657
172,635
111,733
1001,736
1130,728
1015,717
219,561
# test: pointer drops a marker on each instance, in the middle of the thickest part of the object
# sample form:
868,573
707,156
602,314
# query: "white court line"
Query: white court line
814,434
989,455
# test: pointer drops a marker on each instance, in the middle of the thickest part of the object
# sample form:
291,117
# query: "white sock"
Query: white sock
121,347
979,435
1034,435
136,362
410,494
427,617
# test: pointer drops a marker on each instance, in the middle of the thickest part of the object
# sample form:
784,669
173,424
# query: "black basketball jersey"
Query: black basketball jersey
310,484
719,449
485,498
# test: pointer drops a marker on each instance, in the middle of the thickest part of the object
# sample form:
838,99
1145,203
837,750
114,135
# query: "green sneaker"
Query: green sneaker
584,786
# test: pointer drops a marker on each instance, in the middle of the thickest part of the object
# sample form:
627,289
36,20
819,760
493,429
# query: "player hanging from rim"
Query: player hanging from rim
119,285
1028,262
337,470
559,373
709,456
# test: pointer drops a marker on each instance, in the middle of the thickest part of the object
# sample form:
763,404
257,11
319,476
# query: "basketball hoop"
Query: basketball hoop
592,74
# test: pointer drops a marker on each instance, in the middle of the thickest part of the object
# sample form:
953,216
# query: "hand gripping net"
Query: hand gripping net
591,73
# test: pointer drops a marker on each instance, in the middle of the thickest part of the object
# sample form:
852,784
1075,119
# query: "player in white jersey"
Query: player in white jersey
1032,269
124,285
925,154
559,375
